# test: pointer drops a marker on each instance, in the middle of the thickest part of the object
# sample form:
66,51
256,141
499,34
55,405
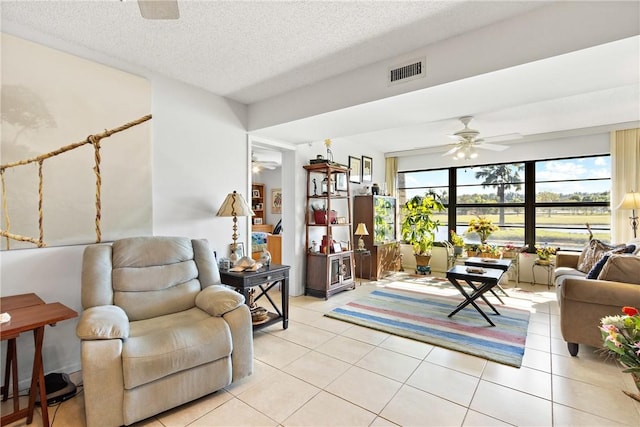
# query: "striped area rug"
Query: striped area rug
423,317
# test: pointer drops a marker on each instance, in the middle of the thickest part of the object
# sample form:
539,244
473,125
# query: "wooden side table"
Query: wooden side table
265,279
28,313
360,254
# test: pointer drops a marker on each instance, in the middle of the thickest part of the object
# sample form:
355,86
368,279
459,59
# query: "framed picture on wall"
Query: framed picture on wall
341,182
276,200
355,164
367,169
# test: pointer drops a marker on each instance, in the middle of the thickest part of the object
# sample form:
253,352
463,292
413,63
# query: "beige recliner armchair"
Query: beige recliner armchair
157,329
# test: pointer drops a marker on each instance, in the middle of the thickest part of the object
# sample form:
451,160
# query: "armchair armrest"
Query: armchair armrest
103,322
567,259
218,300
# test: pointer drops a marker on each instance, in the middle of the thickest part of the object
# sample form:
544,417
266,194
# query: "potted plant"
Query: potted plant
483,226
458,243
544,254
418,226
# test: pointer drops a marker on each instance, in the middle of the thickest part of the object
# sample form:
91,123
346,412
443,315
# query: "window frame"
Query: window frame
529,205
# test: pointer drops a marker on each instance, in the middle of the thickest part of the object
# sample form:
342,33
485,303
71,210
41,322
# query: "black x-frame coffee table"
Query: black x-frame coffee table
478,282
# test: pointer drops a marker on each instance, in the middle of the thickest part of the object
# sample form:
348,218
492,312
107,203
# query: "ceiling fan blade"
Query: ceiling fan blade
159,9
492,147
505,137
453,150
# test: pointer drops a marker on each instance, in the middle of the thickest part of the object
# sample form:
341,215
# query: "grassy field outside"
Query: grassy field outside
576,237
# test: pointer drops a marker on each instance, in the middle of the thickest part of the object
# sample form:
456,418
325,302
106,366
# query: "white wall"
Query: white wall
193,132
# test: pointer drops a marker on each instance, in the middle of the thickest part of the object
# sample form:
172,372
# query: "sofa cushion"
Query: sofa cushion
594,252
621,268
597,267
164,351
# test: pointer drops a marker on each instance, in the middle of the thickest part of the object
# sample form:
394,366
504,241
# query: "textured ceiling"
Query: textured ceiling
252,50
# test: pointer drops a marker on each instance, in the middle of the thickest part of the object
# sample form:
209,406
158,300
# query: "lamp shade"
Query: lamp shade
235,205
361,230
630,201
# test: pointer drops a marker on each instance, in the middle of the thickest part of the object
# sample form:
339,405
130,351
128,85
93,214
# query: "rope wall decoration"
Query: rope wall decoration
91,139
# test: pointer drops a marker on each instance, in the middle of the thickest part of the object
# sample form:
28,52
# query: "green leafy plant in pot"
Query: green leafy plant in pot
418,226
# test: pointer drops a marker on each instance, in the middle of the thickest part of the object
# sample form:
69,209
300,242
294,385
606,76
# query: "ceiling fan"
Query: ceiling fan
257,164
159,9
468,140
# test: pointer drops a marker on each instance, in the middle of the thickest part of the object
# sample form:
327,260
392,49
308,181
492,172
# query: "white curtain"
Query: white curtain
391,175
625,177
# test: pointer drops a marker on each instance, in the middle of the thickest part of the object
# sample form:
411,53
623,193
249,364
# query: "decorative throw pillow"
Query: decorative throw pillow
597,267
621,268
592,254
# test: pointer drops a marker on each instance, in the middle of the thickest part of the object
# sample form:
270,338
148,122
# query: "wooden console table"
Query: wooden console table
265,279
28,313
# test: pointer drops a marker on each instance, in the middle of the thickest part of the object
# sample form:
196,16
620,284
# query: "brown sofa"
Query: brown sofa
583,302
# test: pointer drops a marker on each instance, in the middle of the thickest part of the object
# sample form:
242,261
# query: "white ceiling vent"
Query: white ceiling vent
412,70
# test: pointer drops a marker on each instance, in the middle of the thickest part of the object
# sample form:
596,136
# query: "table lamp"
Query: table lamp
234,205
361,230
631,201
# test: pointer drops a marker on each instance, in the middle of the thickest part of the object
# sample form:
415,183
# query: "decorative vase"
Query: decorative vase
636,380
541,261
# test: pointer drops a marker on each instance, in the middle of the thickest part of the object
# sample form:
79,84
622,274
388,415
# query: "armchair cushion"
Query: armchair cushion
158,353
218,300
102,323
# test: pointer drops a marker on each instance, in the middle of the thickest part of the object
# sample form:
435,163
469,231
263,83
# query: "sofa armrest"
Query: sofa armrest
103,322
218,300
567,259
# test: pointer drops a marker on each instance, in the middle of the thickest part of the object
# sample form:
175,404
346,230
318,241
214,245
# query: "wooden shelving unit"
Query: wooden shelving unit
257,203
329,233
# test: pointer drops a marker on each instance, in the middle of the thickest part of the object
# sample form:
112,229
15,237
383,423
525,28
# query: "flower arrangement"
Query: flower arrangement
456,239
483,226
621,335
509,247
490,251
545,252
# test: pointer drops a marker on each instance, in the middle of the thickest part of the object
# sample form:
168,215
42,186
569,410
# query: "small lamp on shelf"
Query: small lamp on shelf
361,230
234,206
631,201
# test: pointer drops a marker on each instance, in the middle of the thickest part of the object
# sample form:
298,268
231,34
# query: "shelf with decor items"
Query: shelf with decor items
330,263
379,215
257,203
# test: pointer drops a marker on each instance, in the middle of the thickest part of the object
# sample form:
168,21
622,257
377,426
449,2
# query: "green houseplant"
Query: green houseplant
418,226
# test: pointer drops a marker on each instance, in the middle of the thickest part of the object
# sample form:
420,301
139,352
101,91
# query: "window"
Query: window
569,193
495,192
538,202
419,183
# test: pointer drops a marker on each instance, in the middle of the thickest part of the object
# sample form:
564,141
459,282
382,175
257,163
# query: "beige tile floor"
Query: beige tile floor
324,372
